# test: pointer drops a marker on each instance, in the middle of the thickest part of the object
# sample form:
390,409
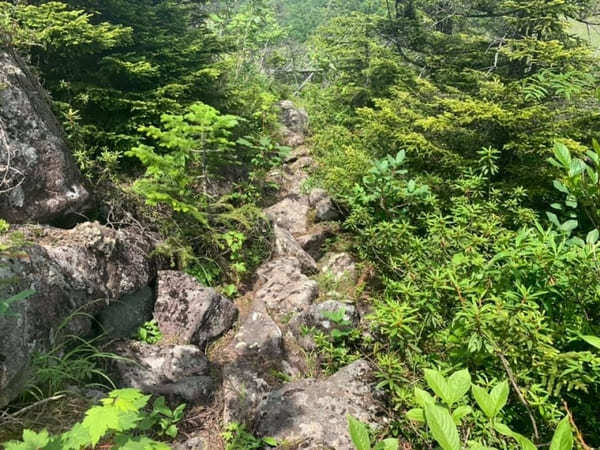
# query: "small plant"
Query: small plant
149,332
119,421
237,437
165,418
340,346
4,226
359,433
442,419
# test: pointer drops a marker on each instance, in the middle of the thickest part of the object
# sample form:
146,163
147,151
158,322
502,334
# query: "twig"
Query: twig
511,376
39,403
574,425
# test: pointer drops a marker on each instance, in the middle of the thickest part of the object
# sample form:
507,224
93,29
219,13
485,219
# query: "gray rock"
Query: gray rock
244,387
311,414
122,318
326,211
193,443
297,153
295,124
257,347
313,239
318,317
285,289
87,267
259,335
37,171
180,371
295,119
188,312
286,245
290,214
316,195
340,266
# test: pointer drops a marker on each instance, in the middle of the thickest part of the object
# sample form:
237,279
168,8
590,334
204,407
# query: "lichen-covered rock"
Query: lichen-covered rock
89,266
312,414
340,266
290,214
190,313
193,443
259,335
177,371
286,245
285,289
39,180
295,124
257,346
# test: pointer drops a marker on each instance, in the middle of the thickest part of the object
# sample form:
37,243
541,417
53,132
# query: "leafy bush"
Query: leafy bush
119,421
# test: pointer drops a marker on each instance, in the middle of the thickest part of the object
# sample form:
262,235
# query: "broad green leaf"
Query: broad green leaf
416,414
387,444
442,427
459,384
270,441
525,443
592,237
594,341
99,420
423,397
562,154
563,436
359,434
479,446
460,412
484,401
569,225
439,385
560,187
499,395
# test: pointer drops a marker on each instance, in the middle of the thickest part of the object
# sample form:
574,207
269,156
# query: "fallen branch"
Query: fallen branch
513,381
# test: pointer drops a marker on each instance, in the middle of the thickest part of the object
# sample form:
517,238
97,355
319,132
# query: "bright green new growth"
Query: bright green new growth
149,332
191,146
120,421
442,421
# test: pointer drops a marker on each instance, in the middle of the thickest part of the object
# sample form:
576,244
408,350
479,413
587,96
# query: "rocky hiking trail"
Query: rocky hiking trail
241,377
247,361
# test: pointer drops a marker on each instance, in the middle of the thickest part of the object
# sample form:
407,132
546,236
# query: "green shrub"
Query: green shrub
121,421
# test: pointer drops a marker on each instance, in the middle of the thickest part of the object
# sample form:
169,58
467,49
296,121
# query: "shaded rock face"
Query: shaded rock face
177,371
189,313
122,318
39,180
295,123
311,414
89,266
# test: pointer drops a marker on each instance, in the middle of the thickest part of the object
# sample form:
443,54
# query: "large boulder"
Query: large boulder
291,214
88,267
190,313
176,371
313,413
39,180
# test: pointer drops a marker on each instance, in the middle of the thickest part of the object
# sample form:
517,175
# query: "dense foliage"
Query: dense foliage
458,138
